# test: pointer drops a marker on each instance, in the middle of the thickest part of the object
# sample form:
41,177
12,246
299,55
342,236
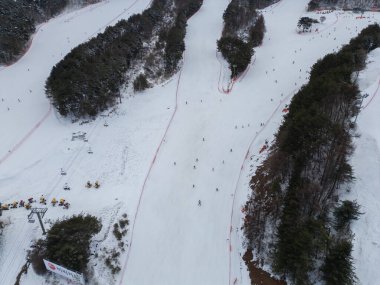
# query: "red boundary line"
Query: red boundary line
39,123
241,172
148,174
233,80
30,42
123,272
373,95
27,136
244,73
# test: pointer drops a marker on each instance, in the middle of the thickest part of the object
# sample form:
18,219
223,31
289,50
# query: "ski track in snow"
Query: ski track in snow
188,120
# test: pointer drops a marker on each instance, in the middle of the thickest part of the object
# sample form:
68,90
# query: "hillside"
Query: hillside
177,158
18,20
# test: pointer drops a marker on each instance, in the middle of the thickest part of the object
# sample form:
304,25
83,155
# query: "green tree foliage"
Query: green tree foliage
237,53
68,241
36,256
338,266
140,83
239,14
256,34
175,44
300,237
310,158
345,213
312,6
305,23
240,18
88,80
175,37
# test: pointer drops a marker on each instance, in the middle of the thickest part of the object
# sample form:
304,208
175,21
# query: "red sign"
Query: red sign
52,267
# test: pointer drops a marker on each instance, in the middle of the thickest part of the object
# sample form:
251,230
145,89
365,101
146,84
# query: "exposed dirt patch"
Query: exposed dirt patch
256,274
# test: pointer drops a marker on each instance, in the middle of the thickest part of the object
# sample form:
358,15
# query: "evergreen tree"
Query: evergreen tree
237,53
345,213
305,23
140,83
256,35
68,241
338,266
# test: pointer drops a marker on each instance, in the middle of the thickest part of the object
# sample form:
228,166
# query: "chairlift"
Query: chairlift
31,221
63,172
66,187
105,124
90,151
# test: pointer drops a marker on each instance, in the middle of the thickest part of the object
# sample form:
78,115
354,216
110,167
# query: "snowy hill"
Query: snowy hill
163,151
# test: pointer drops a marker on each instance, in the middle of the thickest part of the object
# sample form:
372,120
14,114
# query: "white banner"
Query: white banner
74,276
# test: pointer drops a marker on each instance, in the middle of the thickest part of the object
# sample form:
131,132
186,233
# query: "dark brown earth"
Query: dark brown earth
257,275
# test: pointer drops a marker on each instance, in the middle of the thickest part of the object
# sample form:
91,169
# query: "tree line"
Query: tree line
345,4
243,30
90,78
294,220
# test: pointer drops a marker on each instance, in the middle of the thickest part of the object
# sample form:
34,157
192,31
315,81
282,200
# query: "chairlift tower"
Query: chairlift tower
40,212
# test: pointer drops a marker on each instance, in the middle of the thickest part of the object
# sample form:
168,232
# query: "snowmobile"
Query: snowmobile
27,206
96,185
54,201
21,204
14,205
66,205
31,200
61,202
42,200
88,184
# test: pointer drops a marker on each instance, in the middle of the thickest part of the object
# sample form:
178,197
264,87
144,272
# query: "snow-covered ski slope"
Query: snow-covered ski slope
366,163
164,150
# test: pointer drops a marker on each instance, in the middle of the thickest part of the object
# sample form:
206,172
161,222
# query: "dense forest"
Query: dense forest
243,30
91,77
18,20
343,4
67,243
295,221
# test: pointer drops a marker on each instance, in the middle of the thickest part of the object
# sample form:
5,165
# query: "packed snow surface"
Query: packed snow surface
177,158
